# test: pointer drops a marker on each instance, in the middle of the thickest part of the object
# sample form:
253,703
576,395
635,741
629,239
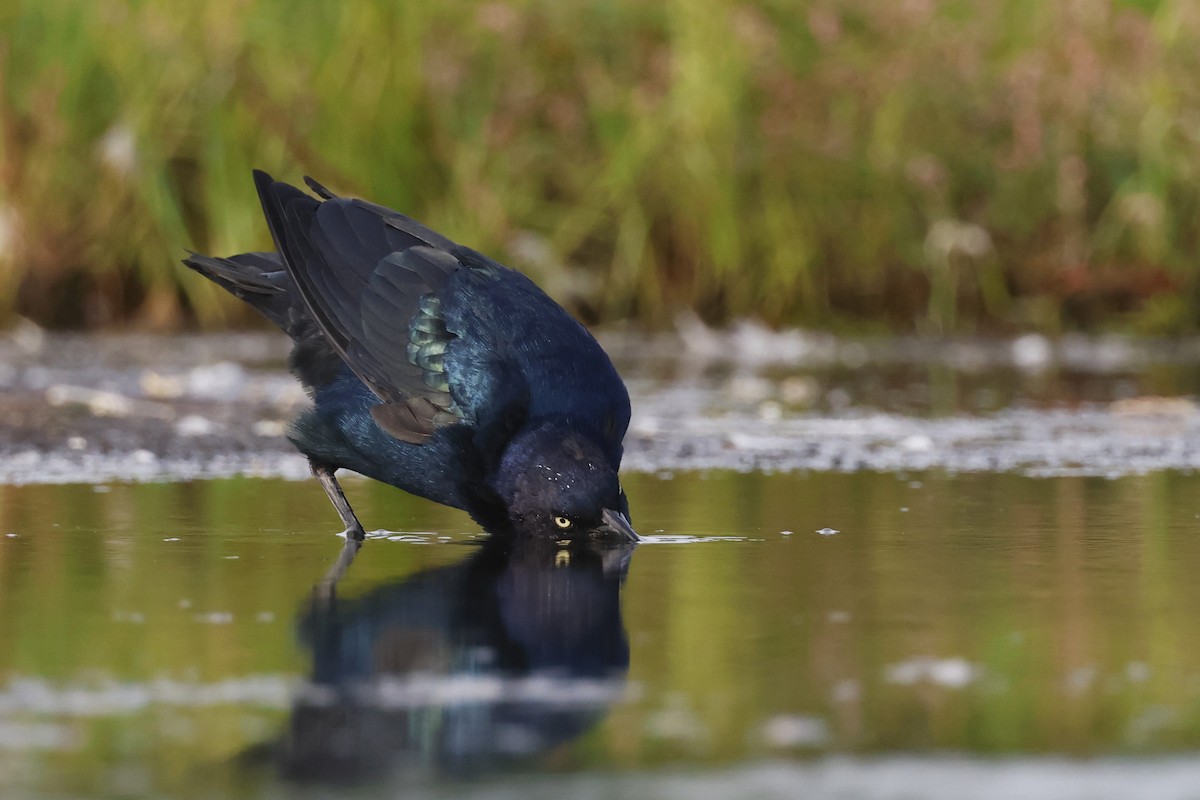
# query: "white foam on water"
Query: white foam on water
34,736
954,673
102,698
30,695
898,778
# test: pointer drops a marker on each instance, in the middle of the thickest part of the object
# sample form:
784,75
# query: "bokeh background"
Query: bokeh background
941,166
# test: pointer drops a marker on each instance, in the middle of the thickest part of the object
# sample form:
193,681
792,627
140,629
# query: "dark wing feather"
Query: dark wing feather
390,304
371,278
318,189
418,233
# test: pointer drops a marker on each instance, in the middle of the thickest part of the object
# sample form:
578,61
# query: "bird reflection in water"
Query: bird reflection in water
460,669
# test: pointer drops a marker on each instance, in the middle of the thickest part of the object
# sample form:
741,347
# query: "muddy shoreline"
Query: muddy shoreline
134,407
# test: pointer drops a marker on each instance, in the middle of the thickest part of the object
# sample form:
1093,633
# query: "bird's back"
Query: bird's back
424,357
502,319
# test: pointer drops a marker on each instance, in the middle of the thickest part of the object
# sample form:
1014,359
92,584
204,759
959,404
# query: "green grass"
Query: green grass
937,166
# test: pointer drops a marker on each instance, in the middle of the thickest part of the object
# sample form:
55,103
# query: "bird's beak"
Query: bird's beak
617,524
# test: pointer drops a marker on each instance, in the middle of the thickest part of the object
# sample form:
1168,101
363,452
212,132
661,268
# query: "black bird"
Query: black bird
435,369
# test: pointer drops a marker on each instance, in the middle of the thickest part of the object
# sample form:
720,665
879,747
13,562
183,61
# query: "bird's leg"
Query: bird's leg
324,473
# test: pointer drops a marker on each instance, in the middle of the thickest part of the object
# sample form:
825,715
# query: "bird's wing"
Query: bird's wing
373,280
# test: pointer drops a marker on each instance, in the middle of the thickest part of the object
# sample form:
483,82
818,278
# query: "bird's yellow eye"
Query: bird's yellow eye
563,522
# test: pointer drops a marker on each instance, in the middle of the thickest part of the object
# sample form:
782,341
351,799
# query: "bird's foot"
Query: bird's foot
353,533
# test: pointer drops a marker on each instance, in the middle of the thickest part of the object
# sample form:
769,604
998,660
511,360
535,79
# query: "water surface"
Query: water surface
164,640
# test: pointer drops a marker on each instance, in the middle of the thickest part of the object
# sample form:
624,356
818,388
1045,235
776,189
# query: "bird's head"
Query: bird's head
559,484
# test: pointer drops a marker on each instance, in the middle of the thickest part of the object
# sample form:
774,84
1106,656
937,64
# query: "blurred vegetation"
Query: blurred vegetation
938,165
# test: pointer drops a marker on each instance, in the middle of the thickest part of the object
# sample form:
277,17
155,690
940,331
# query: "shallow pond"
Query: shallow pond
985,633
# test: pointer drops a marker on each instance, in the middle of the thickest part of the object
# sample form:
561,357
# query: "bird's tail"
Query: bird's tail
257,278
